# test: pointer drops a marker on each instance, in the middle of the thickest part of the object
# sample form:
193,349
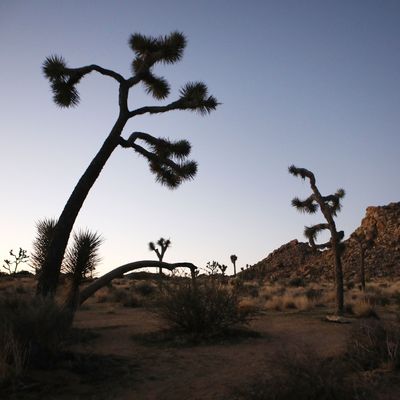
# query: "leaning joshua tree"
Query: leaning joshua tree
233,260
167,159
163,244
329,206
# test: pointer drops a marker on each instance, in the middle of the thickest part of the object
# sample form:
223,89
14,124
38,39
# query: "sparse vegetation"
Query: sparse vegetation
205,311
374,344
31,333
301,375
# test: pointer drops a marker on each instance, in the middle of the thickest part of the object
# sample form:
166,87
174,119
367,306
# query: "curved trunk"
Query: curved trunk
117,272
48,278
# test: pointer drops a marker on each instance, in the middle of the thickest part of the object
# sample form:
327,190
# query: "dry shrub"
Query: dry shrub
364,309
207,310
303,376
288,302
374,344
31,333
145,288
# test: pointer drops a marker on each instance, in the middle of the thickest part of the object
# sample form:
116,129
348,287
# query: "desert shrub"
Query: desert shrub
207,310
364,309
302,376
125,297
313,294
373,345
31,331
296,282
145,288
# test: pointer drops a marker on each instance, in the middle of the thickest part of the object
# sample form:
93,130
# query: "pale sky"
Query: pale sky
314,83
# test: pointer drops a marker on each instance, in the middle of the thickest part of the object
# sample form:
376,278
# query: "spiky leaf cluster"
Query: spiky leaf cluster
83,256
164,243
63,82
194,96
45,230
305,206
167,160
302,172
150,50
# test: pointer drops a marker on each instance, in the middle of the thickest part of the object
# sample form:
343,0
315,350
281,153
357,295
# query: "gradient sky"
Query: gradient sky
315,83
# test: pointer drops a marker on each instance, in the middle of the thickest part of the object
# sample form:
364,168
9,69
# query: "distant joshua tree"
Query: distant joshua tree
365,241
167,159
233,260
329,206
164,245
19,258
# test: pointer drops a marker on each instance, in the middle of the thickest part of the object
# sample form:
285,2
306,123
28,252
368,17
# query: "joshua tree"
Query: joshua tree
163,244
167,159
45,230
11,266
80,261
329,206
233,260
365,241
212,267
222,268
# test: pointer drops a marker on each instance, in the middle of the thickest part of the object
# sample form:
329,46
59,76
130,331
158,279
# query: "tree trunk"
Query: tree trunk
338,279
362,267
50,271
115,273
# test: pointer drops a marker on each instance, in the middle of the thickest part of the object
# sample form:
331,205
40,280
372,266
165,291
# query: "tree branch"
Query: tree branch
115,273
89,68
176,105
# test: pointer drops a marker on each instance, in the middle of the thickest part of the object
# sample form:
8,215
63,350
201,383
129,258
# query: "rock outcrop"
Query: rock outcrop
381,226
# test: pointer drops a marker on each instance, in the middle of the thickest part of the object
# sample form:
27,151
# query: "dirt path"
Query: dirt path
169,372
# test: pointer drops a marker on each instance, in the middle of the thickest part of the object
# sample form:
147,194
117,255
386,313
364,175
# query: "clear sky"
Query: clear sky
315,83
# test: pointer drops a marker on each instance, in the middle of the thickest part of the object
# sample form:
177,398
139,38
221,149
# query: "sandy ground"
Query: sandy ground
122,354
167,371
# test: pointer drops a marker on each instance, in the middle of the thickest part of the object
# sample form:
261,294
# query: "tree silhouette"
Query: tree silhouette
167,159
45,230
11,266
365,241
80,261
233,260
163,244
329,206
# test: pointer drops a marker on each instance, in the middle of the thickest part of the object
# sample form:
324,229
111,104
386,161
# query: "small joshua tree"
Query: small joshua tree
11,266
212,267
222,268
329,206
233,260
167,159
80,261
163,245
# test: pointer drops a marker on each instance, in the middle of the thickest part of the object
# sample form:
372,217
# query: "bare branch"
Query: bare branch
176,105
89,68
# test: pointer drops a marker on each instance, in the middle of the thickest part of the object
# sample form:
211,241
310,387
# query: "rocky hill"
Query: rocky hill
382,259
